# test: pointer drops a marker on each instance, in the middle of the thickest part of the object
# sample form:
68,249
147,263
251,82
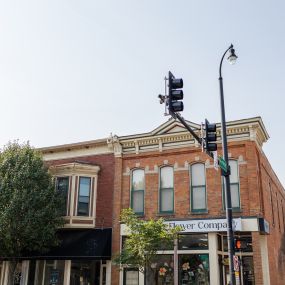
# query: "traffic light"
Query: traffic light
210,136
240,244
175,94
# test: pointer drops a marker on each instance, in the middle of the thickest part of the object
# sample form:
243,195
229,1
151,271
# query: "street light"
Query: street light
230,237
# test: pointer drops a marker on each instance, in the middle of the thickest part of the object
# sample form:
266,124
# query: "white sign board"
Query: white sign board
205,226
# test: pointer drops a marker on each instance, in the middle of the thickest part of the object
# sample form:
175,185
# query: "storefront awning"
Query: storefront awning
92,244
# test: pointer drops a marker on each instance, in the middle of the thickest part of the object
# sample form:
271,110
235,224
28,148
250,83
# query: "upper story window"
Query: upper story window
62,186
166,193
198,188
78,182
234,185
83,196
137,191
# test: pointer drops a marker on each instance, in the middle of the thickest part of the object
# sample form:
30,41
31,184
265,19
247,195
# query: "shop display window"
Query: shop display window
15,278
194,269
131,276
84,272
163,270
54,272
193,241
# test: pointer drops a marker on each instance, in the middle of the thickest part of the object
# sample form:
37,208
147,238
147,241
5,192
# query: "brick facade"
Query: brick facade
261,194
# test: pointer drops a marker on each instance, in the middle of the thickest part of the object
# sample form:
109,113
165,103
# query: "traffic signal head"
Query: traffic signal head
240,244
175,94
210,136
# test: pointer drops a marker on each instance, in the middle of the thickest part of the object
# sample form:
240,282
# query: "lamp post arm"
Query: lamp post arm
221,63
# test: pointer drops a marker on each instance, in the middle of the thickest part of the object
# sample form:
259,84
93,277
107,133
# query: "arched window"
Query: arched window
234,184
198,188
137,191
166,192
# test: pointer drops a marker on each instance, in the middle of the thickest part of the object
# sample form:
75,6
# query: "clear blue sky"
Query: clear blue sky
77,70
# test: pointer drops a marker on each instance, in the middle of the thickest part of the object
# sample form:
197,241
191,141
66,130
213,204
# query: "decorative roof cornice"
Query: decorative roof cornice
74,168
172,134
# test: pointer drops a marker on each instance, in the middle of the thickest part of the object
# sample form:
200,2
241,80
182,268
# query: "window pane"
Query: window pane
131,277
84,272
54,272
198,174
84,186
137,205
235,195
196,241
166,177
198,198
163,269
62,185
138,179
83,196
83,209
194,269
234,171
166,200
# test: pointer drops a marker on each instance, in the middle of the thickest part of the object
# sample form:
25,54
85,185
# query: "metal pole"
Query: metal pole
230,236
175,262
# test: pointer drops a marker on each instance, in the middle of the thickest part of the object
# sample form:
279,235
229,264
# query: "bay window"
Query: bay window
83,196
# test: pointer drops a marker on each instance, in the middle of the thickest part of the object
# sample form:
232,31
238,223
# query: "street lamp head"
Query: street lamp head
232,58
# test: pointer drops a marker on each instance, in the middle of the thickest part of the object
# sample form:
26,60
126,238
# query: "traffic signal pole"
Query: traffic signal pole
175,105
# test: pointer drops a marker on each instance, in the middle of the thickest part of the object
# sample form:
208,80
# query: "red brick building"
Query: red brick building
163,173
84,173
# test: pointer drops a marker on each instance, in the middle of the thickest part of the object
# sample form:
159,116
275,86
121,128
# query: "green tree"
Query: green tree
30,208
144,240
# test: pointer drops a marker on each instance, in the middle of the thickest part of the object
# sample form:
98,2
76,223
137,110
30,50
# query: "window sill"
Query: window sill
199,213
165,214
234,211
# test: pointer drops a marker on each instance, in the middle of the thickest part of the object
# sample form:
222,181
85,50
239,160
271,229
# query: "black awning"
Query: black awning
92,244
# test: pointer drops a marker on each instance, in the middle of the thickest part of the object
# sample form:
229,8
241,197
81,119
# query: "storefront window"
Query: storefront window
85,272
15,278
219,237
32,271
194,269
248,271
193,241
54,272
131,276
162,270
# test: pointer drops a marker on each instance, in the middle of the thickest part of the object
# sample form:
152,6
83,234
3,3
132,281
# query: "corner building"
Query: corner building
163,173
84,173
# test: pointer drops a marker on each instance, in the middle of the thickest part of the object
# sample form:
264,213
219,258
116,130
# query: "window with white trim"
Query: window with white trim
83,196
137,191
62,186
198,188
166,191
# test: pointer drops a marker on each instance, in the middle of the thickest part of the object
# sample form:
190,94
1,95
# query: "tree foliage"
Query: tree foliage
30,208
144,240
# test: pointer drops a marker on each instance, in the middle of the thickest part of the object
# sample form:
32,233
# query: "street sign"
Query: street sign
223,165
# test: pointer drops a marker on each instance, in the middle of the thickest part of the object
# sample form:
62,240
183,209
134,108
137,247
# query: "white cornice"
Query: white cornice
74,168
173,135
